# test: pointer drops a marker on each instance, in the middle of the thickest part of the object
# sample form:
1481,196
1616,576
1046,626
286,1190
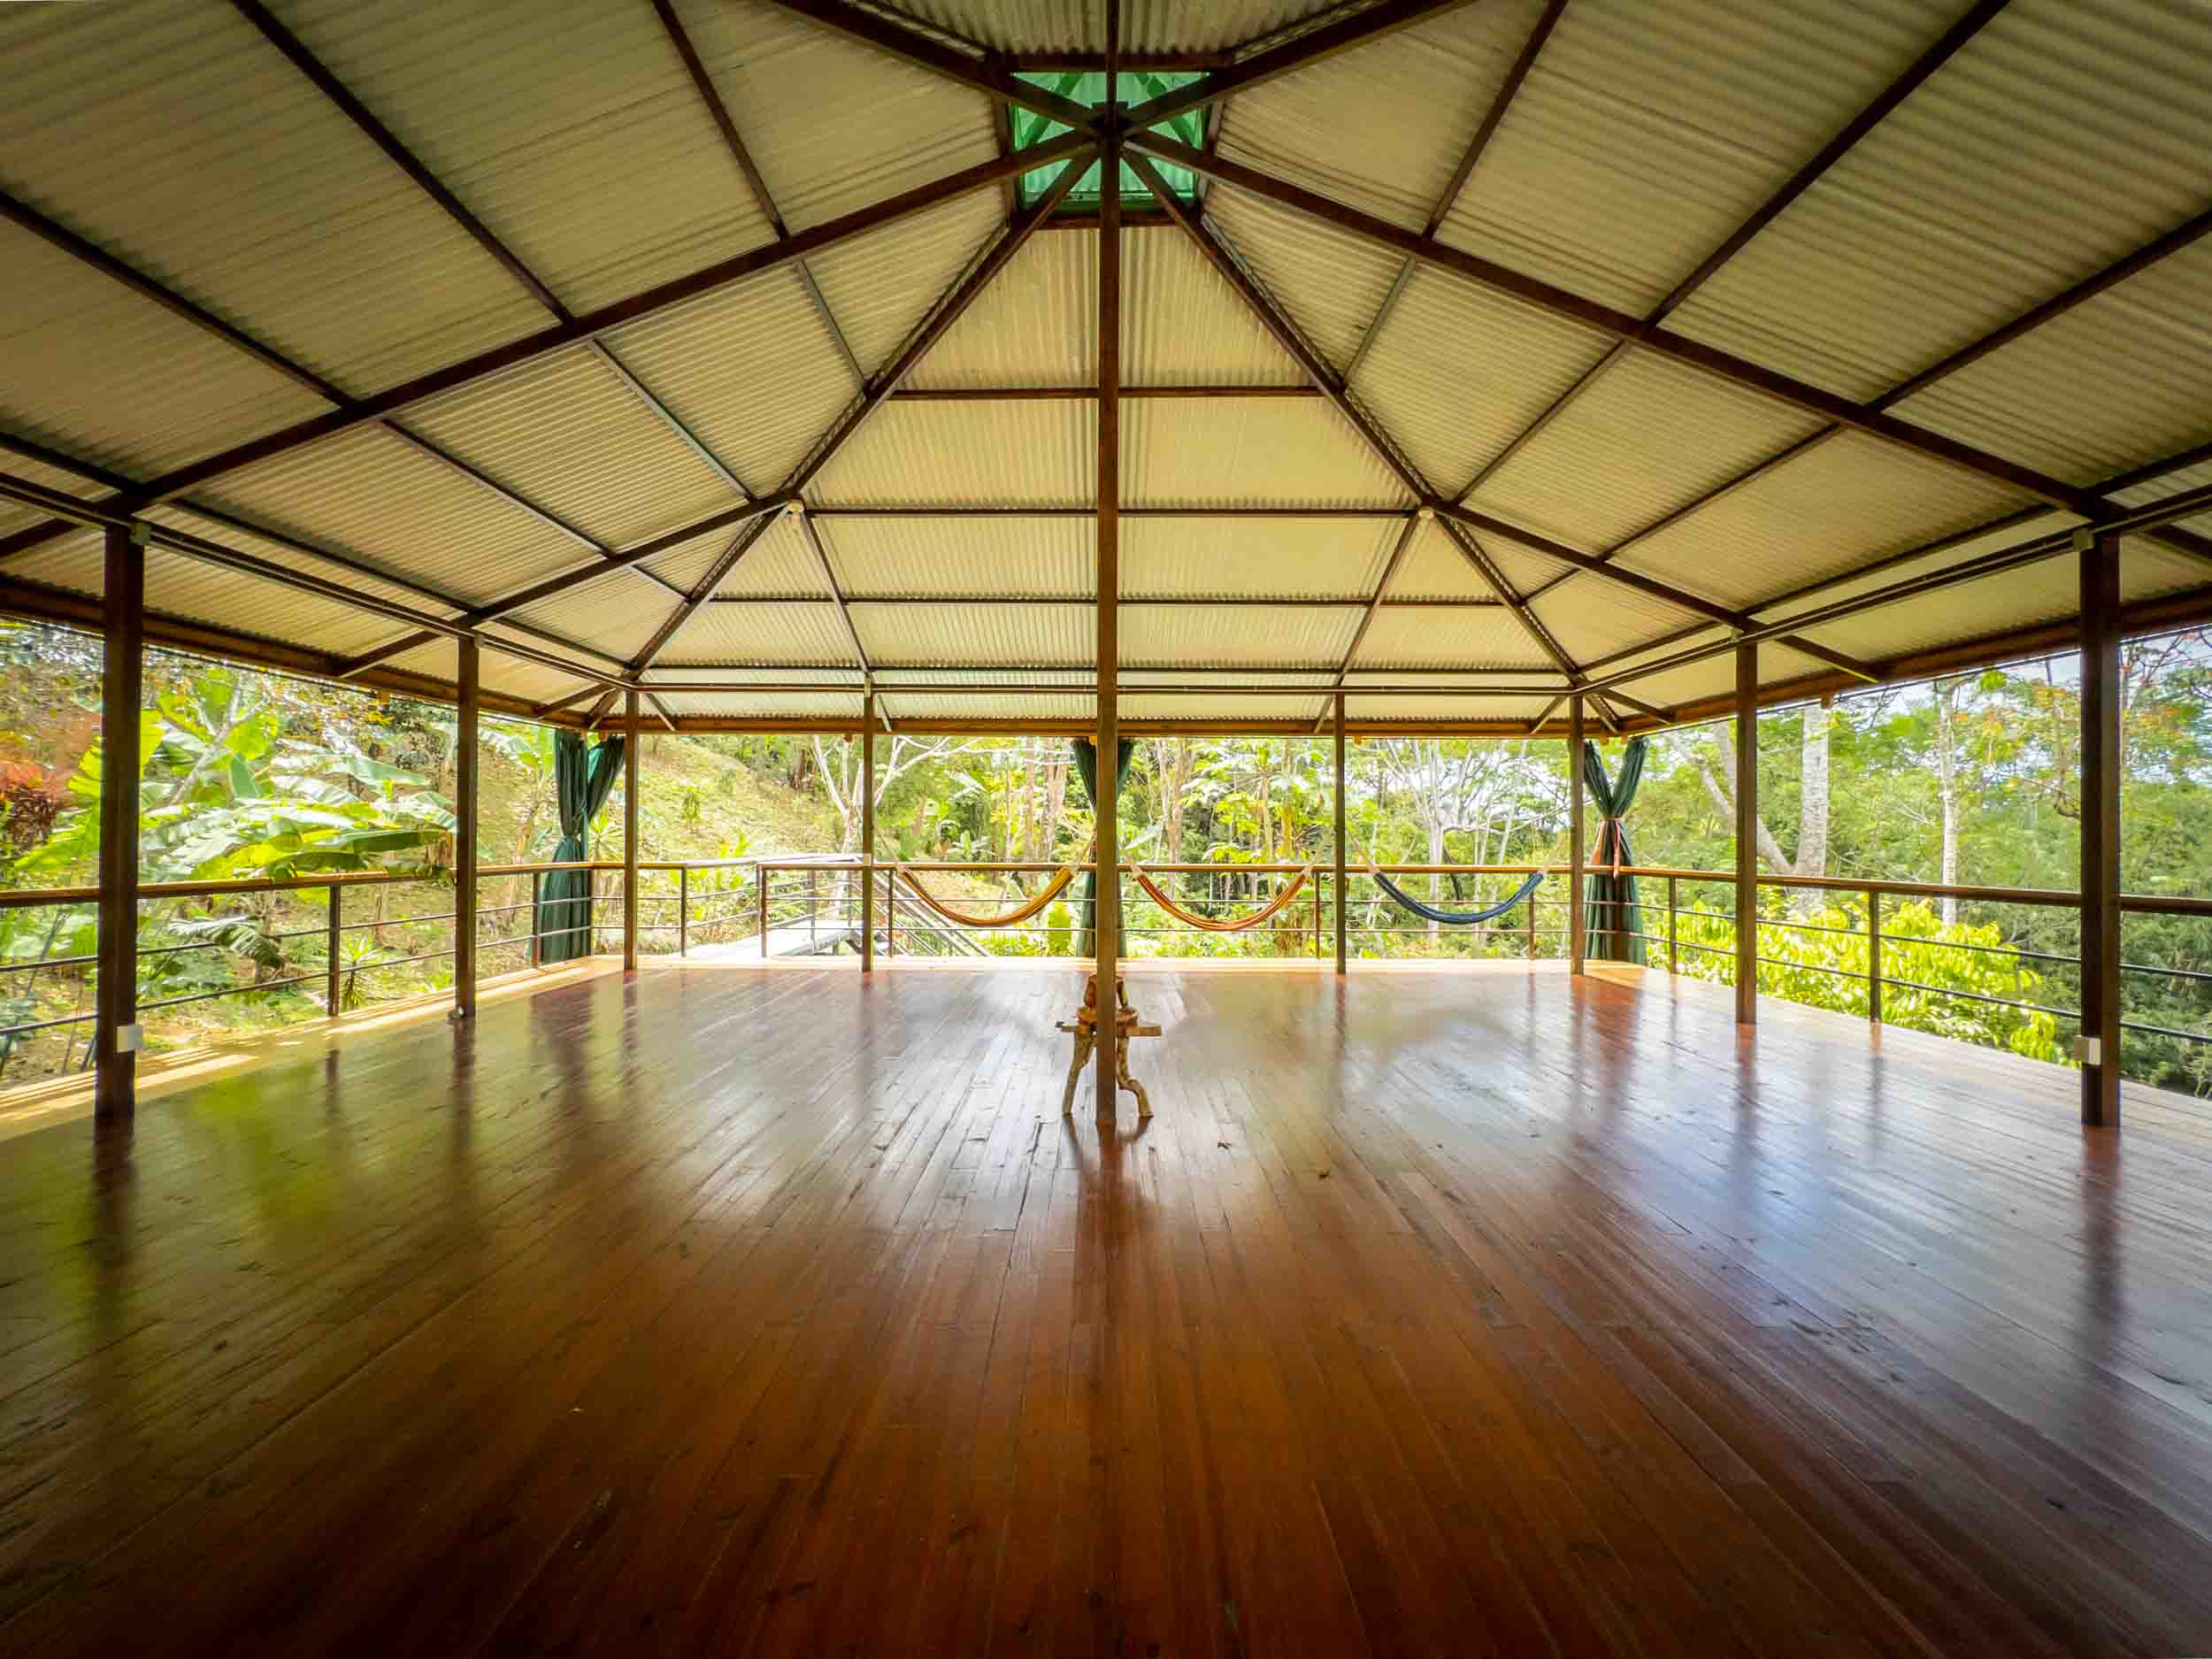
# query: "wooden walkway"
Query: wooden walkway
779,1313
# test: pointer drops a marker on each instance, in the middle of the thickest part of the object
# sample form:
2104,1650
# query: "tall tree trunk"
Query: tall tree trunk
1056,803
1812,809
1436,857
1946,694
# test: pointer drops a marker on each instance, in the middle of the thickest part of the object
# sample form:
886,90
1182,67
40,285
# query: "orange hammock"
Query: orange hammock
1052,890
1207,923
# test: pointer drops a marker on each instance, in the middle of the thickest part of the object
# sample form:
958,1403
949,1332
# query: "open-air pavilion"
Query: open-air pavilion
1555,368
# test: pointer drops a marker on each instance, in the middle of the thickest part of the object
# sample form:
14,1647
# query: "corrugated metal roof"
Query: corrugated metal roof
1056,557
1419,636
1647,134
1272,451
1200,710
1213,25
1413,710
1276,558
760,633
1199,636
1383,127
2114,383
568,433
985,706
2068,133
1715,677
1006,25
1435,568
779,563
150,128
1456,373
979,454
982,635
371,492
1591,617
497,671
1330,283
90,368
1834,507
1645,438
616,616
879,288
1037,324
13,514
832,126
568,127
749,370
767,705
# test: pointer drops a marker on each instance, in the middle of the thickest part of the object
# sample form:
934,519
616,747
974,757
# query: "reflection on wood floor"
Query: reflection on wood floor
779,1312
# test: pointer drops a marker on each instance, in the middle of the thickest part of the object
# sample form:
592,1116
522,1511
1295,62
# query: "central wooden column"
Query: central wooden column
1106,918
1341,906
1746,834
1578,930
867,835
466,772
115,997
629,831
2101,769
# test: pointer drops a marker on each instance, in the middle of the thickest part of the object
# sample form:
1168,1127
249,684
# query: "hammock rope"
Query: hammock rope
1212,925
1454,919
1014,918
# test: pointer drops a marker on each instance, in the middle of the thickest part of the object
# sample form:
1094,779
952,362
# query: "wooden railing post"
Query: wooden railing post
1873,956
467,754
1674,926
1532,907
760,900
813,902
537,906
629,829
683,911
891,911
115,1039
333,980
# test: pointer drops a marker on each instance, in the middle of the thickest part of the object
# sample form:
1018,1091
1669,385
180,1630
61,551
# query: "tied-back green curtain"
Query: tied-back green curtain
582,780
1615,919
1086,769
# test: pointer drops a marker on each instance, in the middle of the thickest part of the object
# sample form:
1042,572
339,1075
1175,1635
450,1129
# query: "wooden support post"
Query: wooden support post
629,831
115,1004
333,980
683,911
1674,926
1873,956
1106,921
537,905
1578,932
2100,560
1746,834
760,904
867,838
1343,882
466,753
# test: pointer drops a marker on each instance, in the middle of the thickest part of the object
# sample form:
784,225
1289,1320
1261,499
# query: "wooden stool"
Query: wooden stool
1084,1027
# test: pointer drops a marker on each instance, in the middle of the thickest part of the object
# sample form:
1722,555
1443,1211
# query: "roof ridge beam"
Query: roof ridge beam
481,365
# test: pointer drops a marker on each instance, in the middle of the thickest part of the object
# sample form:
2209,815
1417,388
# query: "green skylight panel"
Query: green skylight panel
1088,89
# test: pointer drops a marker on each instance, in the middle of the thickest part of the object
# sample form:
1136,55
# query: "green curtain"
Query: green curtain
582,780
1086,769
1613,918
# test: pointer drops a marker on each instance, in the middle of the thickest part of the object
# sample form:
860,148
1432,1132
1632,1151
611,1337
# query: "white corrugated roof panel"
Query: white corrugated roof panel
1645,438
832,126
1435,568
767,705
749,370
569,434
568,127
1432,636
761,634
1257,451
1415,710
1037,325
2066,134
1840,504
373,494
1456,374
1054,635
894,558
1272,559
968,454
616,615
2117,381
778,563
1592,616
1383,126
91,369
151,129
1235,636
497,671
1647,134
881,286
1331,283
14,515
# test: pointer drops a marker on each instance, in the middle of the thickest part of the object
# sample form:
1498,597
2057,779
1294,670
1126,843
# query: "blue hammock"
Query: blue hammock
1454,918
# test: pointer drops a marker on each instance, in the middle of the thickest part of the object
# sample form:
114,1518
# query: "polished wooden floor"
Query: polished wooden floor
754,1312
